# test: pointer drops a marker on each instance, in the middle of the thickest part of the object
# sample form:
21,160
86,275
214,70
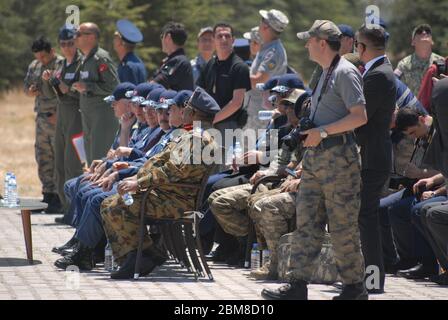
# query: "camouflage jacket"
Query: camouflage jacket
411,70
176,164
47,99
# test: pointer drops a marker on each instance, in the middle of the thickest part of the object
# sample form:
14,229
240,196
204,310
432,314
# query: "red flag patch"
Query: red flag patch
103,67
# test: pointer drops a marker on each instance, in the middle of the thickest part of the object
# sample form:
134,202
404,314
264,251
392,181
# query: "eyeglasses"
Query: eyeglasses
67,44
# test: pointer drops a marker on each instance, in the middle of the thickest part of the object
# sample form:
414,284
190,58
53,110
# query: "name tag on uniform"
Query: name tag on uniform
70,76
84,74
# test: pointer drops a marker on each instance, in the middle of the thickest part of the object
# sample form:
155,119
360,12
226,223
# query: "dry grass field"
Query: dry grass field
17,134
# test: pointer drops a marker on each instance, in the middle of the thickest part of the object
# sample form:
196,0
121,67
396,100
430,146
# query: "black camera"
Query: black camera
441,67
293,139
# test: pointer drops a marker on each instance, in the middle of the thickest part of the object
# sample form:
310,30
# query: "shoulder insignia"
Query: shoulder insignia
103,67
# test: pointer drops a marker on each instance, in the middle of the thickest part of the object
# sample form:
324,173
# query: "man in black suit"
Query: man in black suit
376,146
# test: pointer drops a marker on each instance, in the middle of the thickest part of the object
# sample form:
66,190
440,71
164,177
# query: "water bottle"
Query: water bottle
127,198
6,188
264,115
237,151
260,86
255,257
12,196
108,258
265,257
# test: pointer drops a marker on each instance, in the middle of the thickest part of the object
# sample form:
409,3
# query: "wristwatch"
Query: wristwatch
323,133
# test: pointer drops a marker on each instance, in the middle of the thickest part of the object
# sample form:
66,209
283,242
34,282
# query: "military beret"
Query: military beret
128,31
166,99
202,101
120,92
153,97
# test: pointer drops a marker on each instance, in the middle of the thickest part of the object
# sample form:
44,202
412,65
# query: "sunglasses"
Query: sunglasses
420,31
68,44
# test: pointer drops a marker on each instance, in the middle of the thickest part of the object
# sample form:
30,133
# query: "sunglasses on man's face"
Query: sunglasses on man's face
66,44
425,30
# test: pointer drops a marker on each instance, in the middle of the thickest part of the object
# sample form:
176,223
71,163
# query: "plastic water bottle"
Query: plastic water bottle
237,151
255,257
265,115
127,198
108,258
6,188
12,196
265,256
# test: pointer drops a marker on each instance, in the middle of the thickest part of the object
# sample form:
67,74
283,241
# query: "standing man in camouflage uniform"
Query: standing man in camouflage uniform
171,165
330,183
67,162
411,69
98,78
45,107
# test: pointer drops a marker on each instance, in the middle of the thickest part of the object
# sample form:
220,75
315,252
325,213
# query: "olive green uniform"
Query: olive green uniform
99,124
67,163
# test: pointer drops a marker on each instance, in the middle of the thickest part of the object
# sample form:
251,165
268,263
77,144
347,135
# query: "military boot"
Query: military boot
70,244
47,198
237,257
355,291
55,205
82,257
266,272
127,268
295,290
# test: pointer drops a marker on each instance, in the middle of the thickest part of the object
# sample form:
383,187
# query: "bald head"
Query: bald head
91,28
87,37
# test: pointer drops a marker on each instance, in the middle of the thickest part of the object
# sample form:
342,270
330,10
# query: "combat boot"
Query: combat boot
82,257
54,205
295,290
70,244
355,291
266,272
46,199
237,257
127,268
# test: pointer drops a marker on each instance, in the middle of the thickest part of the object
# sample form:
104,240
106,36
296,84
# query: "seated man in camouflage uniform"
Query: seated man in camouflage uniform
229,205
173,165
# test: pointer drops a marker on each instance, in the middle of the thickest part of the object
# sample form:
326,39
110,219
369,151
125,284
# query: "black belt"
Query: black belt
327,143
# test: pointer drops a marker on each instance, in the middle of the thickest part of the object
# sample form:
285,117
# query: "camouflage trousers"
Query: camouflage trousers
44,153
329,192
230,205
273,213
121,222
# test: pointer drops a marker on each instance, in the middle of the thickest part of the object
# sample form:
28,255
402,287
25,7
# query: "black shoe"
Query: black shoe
82,257
355,291
54,205
417,272
70,244
441,279
400,265
127,269
296,290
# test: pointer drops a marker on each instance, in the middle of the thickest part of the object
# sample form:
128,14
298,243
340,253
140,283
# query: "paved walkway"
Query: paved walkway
19,280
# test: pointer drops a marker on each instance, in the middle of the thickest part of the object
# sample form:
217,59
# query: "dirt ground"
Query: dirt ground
17,142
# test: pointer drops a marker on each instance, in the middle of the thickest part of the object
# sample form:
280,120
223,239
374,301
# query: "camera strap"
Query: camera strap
333,65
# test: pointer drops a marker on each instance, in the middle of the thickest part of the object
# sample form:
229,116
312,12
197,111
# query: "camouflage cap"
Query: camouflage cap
204,31
253,35
323,29
276,19
293,96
